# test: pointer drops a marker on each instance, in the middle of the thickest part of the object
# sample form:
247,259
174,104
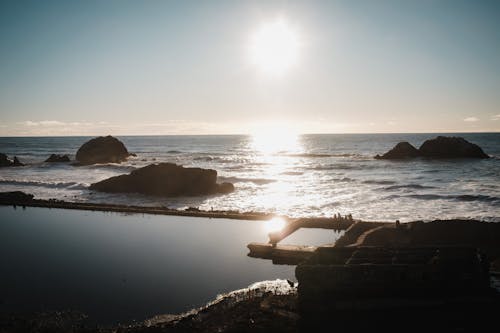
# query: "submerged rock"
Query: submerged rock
56,158
6,162
451,147
165,179
400,151
103,149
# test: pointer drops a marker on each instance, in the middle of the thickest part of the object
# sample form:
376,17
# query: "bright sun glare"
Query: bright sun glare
274,224
274,47
273,138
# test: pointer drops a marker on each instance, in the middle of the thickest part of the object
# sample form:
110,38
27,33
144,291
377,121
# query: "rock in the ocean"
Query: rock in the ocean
400,151
56,158
6,162
451,147
165,179
440,147
103,149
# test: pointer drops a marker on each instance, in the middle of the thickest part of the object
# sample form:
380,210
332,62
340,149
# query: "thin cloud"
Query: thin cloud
471,119
31,123
496,117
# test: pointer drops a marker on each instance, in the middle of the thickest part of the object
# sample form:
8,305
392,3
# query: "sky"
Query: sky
188,67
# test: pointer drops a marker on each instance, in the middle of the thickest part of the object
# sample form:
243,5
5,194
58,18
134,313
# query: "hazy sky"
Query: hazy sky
161,67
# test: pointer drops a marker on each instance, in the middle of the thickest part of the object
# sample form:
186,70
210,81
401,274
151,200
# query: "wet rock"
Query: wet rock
451,147
56,158
476,234
440,147
165,179
6,162
400,151
16,196
226,188
103,149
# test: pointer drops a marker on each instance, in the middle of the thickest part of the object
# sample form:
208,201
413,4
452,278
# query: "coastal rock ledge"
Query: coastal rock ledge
440,147
103,149
167,180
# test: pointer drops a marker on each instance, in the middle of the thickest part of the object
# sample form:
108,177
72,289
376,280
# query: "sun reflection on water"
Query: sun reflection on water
270,140
276,146
274,224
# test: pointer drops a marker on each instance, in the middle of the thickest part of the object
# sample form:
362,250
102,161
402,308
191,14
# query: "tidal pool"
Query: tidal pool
119,268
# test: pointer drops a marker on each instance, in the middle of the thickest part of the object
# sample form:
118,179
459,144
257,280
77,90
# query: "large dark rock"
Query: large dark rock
165,179
103,149
400,151
440,147
15,196
6,162
451,147
56,158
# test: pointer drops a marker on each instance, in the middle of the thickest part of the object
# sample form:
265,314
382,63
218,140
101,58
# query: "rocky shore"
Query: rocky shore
436,249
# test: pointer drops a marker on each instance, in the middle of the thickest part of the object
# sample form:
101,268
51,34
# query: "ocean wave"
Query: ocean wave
257,181
68,185
459,197
322,155
292,173
312,155
344,179
342,166
205,158
379,182
174,152
410,186
112,166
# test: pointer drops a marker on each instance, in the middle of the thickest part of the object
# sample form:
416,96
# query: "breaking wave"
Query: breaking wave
66,185
410,186
257,181
466,197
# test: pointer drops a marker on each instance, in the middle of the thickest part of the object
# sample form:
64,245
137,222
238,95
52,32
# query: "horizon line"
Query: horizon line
250,134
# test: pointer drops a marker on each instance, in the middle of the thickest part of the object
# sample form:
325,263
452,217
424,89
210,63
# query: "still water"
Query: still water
119,268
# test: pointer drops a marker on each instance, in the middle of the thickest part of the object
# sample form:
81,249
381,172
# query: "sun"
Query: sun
274,47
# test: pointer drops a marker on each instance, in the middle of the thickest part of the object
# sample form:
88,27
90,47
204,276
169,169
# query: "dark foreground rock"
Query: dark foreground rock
268,306
482,235
451,147
6,162
165,179
103,149
16,196
400,151
440,147
56,158
359,288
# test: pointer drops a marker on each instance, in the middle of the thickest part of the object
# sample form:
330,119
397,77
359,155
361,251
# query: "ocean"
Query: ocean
306,175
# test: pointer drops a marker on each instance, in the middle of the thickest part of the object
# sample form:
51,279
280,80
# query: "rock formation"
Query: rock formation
56,158
450,147
440,147
165,179
15,196
400,151
103,149
6,162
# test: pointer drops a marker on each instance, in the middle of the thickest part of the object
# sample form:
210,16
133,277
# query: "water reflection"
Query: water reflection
275,224
269,140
